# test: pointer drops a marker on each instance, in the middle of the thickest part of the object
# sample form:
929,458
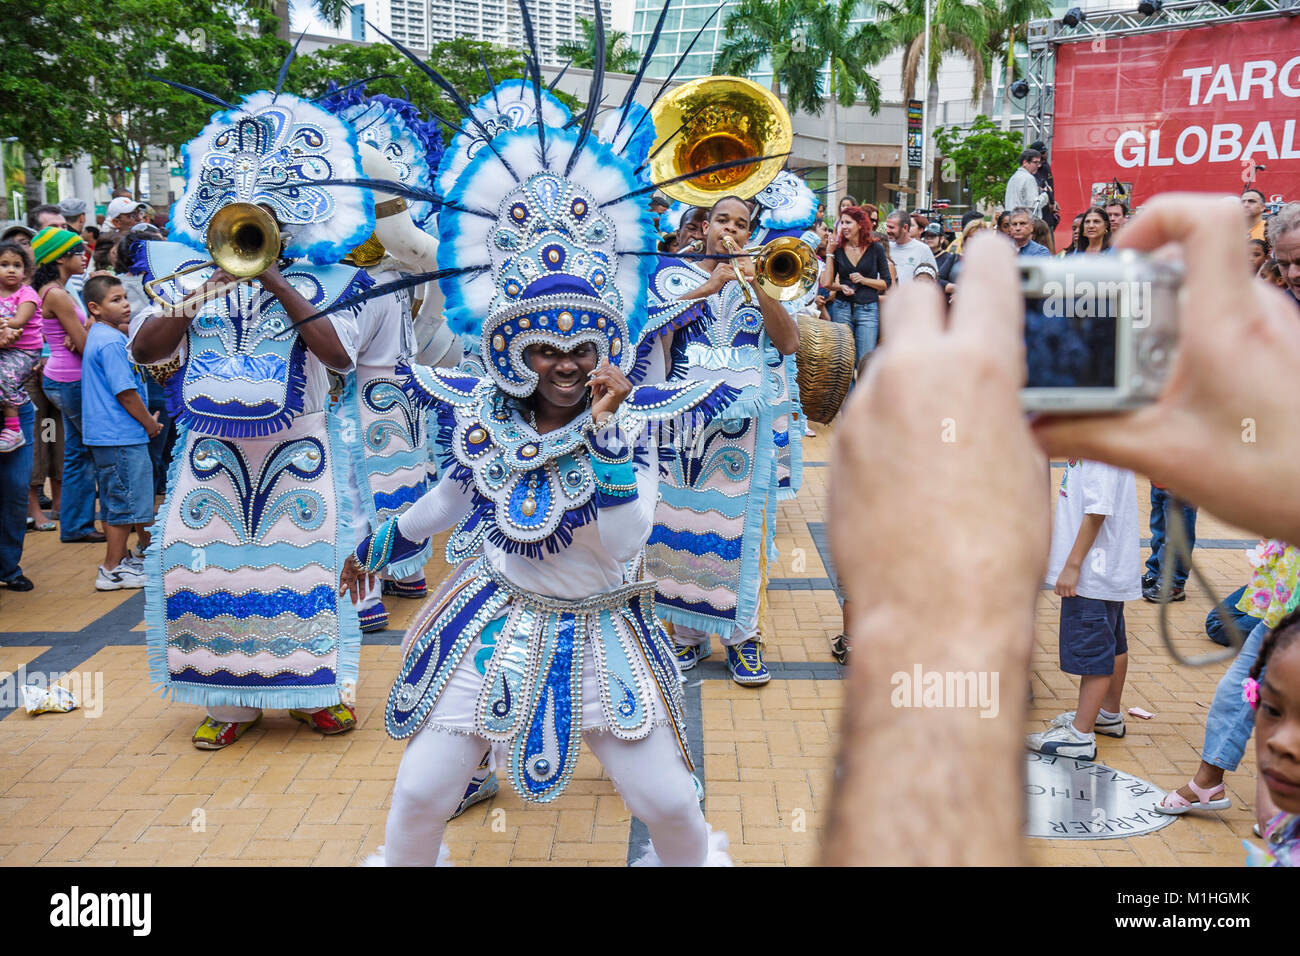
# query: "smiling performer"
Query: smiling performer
544,635
241,601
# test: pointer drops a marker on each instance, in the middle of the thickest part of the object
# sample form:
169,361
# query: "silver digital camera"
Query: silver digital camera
1100,330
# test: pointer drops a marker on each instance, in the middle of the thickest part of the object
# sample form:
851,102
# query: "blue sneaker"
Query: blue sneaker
374,618
745,661
688,655
482,786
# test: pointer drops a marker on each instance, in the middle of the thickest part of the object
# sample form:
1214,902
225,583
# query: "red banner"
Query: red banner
1206,109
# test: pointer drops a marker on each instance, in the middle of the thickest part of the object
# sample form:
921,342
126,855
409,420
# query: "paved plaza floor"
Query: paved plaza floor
125,786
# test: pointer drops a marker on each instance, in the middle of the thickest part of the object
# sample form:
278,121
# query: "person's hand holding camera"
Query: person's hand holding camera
1222,434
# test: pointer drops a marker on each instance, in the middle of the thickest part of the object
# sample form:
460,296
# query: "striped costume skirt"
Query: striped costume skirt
241,598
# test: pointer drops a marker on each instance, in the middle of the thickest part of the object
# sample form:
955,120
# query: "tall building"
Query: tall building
420,23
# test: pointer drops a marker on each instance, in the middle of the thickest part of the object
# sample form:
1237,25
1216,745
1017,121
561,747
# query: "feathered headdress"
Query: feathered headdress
281,151
788,203
394,127
544,231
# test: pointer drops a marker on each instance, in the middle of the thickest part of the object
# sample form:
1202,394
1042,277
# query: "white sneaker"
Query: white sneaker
122,576
1106,726
134,561
808,432
1064,741
11,440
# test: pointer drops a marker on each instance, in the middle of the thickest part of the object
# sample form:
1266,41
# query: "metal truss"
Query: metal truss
1046,35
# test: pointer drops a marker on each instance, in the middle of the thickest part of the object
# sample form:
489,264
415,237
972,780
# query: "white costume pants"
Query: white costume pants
649,774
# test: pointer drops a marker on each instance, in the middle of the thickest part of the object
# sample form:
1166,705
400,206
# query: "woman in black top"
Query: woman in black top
856,268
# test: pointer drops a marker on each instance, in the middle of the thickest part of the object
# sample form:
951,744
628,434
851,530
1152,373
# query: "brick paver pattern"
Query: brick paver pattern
127,786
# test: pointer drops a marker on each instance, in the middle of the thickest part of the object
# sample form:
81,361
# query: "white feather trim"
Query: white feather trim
377,858
717,855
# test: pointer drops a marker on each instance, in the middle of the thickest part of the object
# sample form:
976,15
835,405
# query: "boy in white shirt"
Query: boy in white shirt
1094,567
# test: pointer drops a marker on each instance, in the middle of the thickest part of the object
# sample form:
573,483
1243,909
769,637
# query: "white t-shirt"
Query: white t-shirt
1112,569
907,257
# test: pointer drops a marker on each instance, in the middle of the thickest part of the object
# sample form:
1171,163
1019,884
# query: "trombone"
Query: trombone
243,240
784,268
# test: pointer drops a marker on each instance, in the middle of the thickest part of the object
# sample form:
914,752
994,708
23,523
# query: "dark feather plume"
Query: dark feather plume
396,189
387,288
593,93
194,91
640,70
284,67
354,84
531,60
558,76
712,168
676,66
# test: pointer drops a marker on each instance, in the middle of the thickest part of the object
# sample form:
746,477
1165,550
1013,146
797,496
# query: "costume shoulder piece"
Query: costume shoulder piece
244,373
788,203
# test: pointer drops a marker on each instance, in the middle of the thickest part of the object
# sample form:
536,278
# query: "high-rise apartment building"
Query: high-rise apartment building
419,23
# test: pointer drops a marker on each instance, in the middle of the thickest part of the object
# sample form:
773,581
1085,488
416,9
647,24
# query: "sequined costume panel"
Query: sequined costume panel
387,437
706,545
248,557
533,674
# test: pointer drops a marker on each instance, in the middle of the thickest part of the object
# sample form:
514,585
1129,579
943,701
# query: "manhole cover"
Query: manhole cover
1077,800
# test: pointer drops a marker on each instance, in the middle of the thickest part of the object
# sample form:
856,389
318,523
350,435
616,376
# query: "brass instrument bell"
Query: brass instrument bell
243,240
712,120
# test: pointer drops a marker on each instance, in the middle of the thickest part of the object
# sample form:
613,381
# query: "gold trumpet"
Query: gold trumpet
784,268
243,240
713,120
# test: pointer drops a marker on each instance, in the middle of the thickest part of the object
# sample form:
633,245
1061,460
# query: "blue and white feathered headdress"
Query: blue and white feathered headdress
282,151
543,225
788,203
395,128
511,104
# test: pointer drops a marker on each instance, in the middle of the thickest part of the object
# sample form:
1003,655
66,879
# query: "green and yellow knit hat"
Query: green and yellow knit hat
52,243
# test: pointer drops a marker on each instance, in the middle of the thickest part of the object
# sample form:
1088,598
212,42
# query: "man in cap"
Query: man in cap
123,213
74,213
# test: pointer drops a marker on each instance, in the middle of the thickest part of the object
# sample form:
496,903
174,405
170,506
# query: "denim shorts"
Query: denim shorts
125,477
1092,635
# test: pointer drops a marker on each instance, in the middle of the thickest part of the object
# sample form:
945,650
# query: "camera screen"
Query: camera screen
1067,350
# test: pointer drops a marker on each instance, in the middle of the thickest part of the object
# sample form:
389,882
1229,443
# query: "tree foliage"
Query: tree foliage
956,26
799,40
76,80
619,55
982,154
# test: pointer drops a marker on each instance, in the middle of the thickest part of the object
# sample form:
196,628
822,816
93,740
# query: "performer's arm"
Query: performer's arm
320,338
159,335
626,494
436,510
779,324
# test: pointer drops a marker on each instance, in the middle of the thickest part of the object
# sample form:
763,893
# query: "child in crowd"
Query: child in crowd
118,427
1273,691
1094,567
20,338
1270,271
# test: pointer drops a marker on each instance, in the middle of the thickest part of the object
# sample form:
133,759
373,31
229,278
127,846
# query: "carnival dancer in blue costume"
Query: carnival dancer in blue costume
708,548
545,633
241,603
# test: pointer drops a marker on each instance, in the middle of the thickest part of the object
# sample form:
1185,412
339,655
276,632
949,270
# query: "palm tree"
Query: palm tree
619,56
1008,21
955,27
847,51
758,30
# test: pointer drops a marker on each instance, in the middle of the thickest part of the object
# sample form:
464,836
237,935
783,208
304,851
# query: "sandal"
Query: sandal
42,526
1175,804
840,648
